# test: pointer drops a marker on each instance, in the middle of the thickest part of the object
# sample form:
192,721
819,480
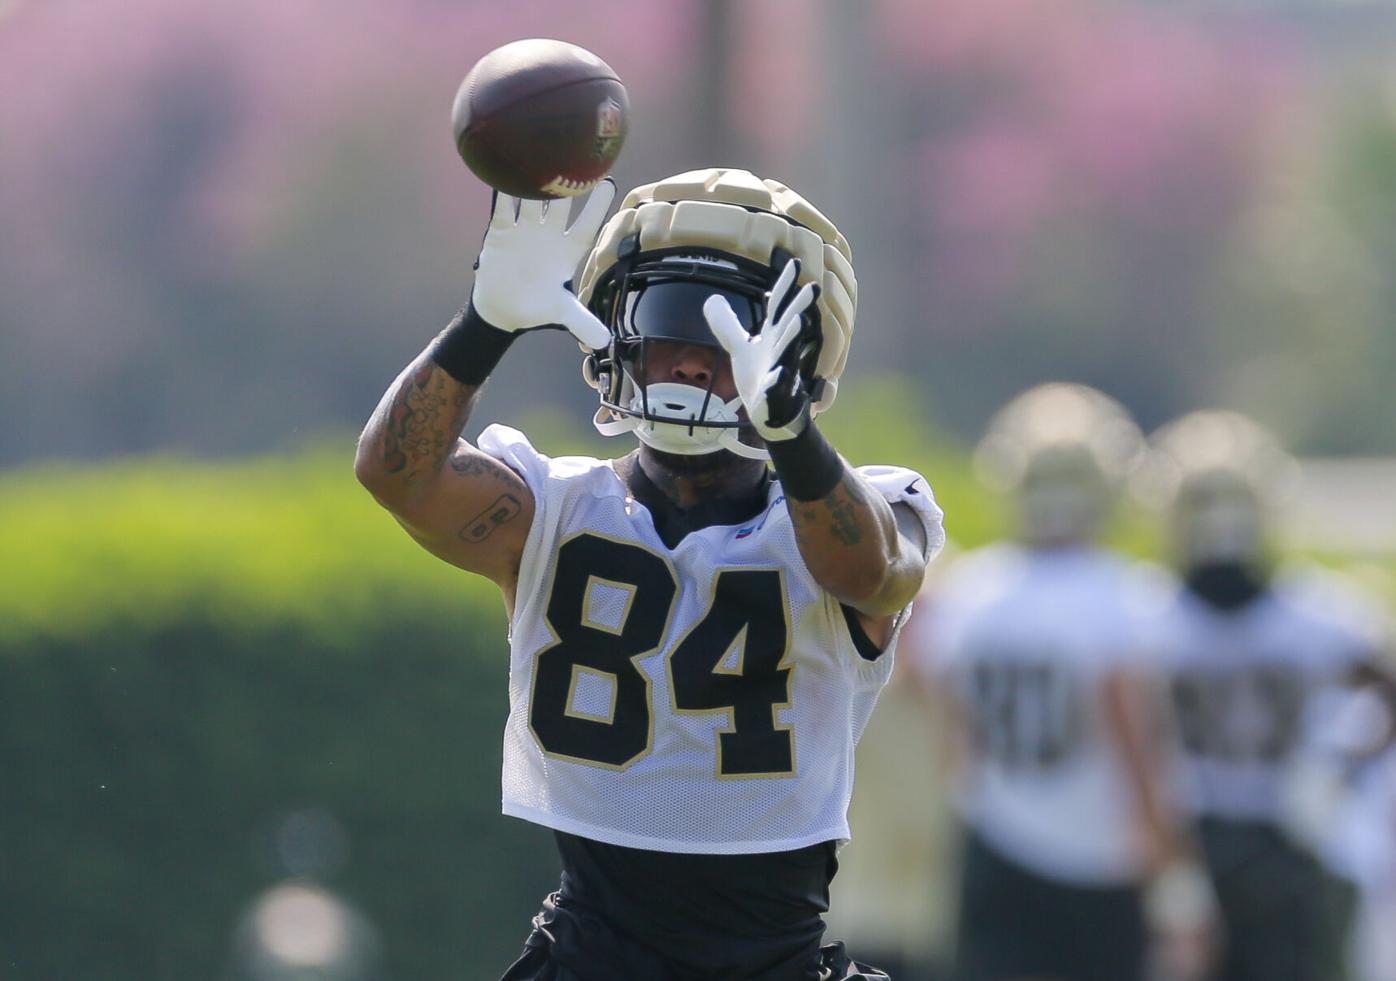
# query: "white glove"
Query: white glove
764,386
525,263
1181,911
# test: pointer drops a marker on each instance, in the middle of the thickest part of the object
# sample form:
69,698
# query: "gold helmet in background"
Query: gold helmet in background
1219,474
1064,451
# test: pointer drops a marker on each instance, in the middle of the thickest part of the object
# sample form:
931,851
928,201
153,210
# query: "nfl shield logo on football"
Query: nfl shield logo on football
608,119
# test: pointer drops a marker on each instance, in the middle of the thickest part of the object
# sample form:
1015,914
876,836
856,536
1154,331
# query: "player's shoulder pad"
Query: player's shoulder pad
1337,598
898,485
1004,559
981,575
512,448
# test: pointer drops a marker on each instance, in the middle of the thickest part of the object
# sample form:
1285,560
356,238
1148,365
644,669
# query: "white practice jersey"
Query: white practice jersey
705,698
1244,681
1367,825
1023,639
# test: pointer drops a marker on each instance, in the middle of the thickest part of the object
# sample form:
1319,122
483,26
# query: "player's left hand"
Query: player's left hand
774,396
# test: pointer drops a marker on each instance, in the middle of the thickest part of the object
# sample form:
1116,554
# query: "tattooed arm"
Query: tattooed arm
460,504
871,555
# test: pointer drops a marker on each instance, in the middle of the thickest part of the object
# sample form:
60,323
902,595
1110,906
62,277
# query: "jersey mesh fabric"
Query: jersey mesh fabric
671,795
1024,640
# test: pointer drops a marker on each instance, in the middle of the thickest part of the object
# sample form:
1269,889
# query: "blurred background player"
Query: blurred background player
1036,646
1249,652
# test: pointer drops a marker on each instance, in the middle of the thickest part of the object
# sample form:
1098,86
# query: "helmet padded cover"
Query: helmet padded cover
736,212
1065,424
1216,446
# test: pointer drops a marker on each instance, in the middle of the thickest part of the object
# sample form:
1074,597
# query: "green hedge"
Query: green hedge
242,546
190,650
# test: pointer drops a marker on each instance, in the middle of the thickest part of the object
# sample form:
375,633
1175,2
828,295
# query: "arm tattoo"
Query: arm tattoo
473,465
482,526
844,522
837,510
423,422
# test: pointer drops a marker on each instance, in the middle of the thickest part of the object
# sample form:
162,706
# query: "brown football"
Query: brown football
540,119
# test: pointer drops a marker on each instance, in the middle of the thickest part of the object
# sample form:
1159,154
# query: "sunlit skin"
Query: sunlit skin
689,364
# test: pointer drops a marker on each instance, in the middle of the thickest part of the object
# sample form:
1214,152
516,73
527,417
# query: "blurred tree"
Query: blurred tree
225,221
1082,167
1312,312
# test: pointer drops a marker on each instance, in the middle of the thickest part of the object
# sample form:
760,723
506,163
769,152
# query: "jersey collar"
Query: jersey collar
672,522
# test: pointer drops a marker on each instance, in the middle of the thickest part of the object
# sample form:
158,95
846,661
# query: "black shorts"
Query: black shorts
1283,914
1014,923
545,956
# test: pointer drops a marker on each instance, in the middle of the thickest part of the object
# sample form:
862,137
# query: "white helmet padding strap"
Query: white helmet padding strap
682,419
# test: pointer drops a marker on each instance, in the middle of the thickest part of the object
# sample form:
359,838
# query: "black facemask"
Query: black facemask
1228,585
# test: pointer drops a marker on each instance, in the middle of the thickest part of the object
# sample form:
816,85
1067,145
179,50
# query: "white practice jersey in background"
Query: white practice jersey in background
703,699
1243,683
1362,848
1023,639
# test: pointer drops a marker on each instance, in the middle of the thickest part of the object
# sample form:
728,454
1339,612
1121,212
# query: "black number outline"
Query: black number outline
1204,699
1026,713
557,641
786,664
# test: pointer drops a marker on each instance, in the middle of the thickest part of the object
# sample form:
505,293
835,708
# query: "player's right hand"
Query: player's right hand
774,397
528,256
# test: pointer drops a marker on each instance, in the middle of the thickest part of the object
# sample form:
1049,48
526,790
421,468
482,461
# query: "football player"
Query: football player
698,629
1249,650
1073,862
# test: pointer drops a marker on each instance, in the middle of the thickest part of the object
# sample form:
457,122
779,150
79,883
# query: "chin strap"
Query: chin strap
683,419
